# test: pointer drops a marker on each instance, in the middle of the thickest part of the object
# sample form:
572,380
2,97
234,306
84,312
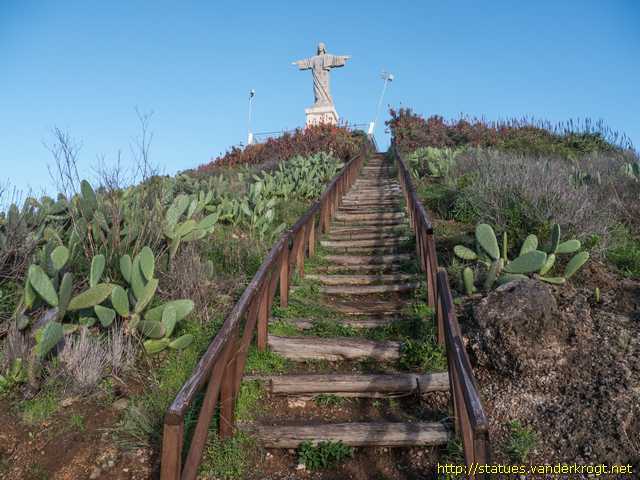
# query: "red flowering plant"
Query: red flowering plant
340,141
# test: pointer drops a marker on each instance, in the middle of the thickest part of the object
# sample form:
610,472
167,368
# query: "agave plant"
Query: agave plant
530,261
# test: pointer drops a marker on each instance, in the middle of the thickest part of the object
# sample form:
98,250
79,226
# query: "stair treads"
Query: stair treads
370,322
360,279
368,259
334,349
338,230
381,269
336,383
369,216
368,308
369,289
378,222
366,235
378,434
369,242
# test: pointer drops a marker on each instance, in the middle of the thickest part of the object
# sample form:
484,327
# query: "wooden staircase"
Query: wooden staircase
364,279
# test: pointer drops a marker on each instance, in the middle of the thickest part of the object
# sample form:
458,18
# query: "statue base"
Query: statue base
321,114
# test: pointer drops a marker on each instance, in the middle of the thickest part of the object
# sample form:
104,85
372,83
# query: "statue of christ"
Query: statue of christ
320,65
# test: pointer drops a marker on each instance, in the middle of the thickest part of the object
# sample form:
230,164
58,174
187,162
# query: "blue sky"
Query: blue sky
85,66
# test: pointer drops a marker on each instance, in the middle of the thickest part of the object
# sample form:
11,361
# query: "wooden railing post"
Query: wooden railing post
300,251
263,317
312,237
284,277
227,403
172,440
201,432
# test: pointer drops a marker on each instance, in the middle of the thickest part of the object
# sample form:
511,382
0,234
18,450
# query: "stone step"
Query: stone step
368,259
349,385
334,349
360,279
374,434
369,289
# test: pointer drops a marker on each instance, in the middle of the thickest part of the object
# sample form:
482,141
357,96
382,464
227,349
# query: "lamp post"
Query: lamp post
252,93
387,77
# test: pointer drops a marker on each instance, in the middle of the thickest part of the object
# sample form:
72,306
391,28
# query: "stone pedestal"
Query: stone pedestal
318,114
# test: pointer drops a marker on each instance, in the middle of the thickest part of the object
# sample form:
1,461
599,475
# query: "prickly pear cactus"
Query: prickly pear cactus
530,261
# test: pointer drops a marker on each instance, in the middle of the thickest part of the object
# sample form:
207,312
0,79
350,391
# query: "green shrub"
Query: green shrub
323,455
422,355
227,459
520,442
625,253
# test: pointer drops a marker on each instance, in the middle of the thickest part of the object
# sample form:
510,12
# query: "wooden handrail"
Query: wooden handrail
221,367
471,421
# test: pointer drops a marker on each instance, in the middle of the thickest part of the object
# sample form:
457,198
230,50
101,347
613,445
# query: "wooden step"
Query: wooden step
369,289
369,242
371,204
367,235
378,434
350,385
368,259
383,222
356,322
361,279
369,229
334,349
370,308
380,269
388,250
370,208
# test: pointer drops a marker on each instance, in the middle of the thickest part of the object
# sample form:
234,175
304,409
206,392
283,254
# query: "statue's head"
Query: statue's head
321,48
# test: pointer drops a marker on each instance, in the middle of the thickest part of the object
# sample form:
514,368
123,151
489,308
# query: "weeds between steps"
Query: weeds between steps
323,455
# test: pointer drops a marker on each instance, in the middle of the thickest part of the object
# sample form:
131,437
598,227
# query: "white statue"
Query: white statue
323,110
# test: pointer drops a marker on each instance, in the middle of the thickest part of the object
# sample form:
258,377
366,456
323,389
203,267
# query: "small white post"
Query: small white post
252,94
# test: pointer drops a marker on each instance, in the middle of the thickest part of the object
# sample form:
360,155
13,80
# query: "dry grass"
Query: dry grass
84,359
122,352
526,194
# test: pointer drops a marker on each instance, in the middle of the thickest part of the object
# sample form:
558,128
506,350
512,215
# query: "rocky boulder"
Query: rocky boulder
520,330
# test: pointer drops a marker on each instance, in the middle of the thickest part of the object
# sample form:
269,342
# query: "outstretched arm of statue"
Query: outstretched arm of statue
302,64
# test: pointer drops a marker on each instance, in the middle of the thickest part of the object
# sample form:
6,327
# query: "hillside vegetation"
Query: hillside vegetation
112,293
556,355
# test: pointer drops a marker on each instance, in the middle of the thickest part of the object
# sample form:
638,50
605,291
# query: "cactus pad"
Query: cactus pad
42,284
486,237
182,342
530,244
576,262
527,263
151,329
92,297
120,301
59,257
105,315
97,268
570,246
464,253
